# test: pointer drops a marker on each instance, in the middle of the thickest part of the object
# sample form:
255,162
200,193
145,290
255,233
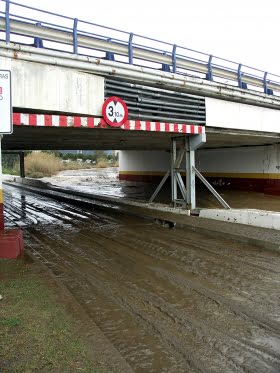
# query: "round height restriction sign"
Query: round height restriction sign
115,111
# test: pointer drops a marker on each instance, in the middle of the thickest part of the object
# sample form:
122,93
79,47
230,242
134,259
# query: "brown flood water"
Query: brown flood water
106,182
169,300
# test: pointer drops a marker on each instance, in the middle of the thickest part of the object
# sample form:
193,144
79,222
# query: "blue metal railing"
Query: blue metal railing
200,64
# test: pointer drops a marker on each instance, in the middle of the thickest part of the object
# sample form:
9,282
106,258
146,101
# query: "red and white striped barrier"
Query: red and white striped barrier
44,120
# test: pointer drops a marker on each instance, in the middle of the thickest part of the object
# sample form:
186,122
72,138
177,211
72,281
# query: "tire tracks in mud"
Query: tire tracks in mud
167,300
89,291
215,336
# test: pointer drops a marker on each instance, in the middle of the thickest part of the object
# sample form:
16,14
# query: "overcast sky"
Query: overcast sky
244,31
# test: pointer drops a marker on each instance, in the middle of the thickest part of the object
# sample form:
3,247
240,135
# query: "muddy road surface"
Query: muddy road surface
169,300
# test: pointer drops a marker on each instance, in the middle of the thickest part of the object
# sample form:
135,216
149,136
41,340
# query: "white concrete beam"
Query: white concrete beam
52,88
142,75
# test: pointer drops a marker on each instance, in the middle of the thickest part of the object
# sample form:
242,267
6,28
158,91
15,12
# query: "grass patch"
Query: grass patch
36,333
10,321
10,171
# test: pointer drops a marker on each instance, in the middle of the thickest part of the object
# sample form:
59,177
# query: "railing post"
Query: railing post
38,42
130,49
109,55
267,91
174,64
75,36
7,15
239,77
165,66
209,76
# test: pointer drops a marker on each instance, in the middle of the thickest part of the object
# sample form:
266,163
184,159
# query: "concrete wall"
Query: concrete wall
248,160
51,88
143,165
245,168
146,161
226,114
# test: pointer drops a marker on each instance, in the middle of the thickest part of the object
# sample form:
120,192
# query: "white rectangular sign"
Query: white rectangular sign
6,123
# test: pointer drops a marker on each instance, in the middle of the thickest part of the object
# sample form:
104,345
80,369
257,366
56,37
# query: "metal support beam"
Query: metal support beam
241,84
182,161
212,190
7,22
21,165
209,75
130,49
180,147
267,90
75,36
172,170
109,55
38,42
174,59
196,141
190,180
165,177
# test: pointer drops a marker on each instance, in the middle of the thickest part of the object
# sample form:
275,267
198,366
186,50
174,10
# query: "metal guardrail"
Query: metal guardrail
88,38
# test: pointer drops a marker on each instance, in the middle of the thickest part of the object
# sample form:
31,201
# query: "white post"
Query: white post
194,143
190,162
173,179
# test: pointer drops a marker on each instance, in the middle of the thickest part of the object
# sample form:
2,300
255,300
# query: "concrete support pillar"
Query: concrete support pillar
21,164
1,190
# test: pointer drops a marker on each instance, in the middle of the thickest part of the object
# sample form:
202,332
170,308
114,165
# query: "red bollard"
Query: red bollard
11,244
1,215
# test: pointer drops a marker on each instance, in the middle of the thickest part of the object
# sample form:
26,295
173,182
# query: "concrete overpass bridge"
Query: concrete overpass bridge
64,68
162,287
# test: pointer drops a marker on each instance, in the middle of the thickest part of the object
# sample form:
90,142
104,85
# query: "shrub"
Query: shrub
102,163
39,164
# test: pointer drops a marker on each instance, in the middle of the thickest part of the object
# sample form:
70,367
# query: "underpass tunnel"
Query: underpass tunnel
177,165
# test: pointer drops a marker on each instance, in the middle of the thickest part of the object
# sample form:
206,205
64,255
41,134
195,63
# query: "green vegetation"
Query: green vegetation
36,333
40,164
10,171
10,163
97,156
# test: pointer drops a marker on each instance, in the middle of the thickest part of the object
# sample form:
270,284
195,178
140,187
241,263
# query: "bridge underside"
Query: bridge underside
54,138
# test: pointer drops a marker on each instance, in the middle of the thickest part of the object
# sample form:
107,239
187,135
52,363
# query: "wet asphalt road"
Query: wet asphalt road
169,300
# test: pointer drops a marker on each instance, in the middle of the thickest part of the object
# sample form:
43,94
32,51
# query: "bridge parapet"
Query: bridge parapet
43,28
137,74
